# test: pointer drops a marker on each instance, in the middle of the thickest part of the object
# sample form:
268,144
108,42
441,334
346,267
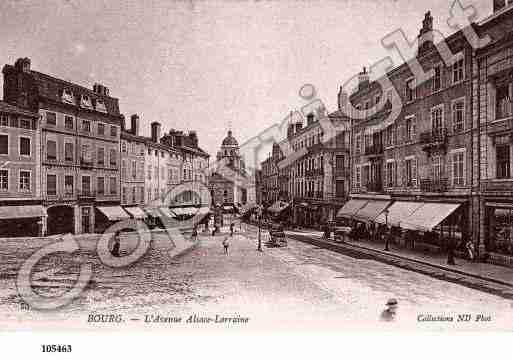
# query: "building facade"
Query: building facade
80,131
21,210
133,150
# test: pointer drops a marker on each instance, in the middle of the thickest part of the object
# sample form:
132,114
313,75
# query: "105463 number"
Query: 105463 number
53,348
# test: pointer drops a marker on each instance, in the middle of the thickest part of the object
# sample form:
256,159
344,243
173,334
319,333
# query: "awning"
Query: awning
351,207
136,212
166,212
114,213
22,211
398,212
278,206
429,215
371,210
178,211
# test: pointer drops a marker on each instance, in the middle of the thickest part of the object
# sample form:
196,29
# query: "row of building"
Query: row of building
444,160
68,163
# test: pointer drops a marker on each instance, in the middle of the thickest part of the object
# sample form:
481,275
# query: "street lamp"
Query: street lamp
388,234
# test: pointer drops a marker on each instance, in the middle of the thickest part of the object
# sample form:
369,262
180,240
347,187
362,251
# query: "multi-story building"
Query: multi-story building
316,181
80,131
492,79
421,159
132,149
21,210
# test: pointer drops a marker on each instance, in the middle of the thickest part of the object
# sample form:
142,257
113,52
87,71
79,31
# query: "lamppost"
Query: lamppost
259,229
388,233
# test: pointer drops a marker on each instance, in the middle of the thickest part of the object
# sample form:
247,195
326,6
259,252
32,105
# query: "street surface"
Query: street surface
297,287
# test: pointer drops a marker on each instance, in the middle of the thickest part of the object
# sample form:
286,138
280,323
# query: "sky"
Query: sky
210,65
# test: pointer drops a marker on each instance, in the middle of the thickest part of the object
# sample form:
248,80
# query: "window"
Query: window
389,95
411,172
113,131
458,70
390,167
24,181
4,119
68,151
410,128
100,185
149,172
67,96
133,195
366,175
458,116
25,123
458,163
113,186
155,172
113,159
4,180
86,153
358,176
123,147
86,101
68,122
358,143
68,185
377,98
503,101
25,146
51,118
86,126
389,135
134,169
437,78
86,185
503,161
101,156
14,120
51,150
163,173
101,129
437,118
51,185
123,195
411,90
437,168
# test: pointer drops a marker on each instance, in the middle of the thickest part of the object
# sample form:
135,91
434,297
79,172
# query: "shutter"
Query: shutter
414,172
395,173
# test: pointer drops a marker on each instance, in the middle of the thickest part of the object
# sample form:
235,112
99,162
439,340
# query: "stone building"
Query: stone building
21,210
80,132
228,180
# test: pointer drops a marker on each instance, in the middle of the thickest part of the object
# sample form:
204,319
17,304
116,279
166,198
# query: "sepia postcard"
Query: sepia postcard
276,166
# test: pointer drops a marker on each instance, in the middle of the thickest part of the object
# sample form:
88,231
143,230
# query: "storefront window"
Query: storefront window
501,231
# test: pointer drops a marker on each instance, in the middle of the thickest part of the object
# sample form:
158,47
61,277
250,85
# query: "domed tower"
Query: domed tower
230,151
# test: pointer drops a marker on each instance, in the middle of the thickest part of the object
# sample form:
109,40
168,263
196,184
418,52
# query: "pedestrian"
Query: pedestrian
470,249
226,244
116,245
194,234
388,239
450,252
232,225
390,312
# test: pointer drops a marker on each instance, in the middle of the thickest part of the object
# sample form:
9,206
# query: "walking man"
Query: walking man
116,245
232,225
226,244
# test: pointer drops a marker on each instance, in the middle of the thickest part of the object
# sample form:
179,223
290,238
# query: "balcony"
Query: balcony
497,185
434,185
314,172
342,172
86,194
374,150
434,139
375,186
86,163
504,109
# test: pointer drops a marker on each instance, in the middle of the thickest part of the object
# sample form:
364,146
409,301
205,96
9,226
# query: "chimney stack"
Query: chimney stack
22,64
134,125
498,5
100,89
363,79
193,136
342,99
155,132
310,119
122,121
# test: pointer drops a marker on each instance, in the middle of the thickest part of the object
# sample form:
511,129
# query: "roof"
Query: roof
126,135
51,88
5,107
229,140
196,150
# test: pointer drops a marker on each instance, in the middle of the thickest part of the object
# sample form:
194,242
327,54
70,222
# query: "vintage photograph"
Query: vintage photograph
243,166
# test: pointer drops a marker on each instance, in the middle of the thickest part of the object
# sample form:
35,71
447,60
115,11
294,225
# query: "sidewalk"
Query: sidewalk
485,271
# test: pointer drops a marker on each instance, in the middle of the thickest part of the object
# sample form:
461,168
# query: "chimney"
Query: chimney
122,121
134,125
498,5
155,132
22,64
193,136
363,79
100,89
310,119
426,36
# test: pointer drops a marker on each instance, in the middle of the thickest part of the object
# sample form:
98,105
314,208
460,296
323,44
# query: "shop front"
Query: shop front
499,232
22,221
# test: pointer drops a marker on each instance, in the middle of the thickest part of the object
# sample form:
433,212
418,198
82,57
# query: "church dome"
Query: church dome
230,140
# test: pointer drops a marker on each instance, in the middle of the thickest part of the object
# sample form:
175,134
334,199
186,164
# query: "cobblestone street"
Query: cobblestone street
300,286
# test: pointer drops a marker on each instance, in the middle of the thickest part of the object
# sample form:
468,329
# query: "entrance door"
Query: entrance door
86,219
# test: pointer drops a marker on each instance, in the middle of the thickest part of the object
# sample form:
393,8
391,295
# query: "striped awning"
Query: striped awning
22,211
136,212
114,213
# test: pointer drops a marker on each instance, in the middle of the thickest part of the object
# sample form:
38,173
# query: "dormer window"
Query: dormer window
67,96
100,106
85,101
